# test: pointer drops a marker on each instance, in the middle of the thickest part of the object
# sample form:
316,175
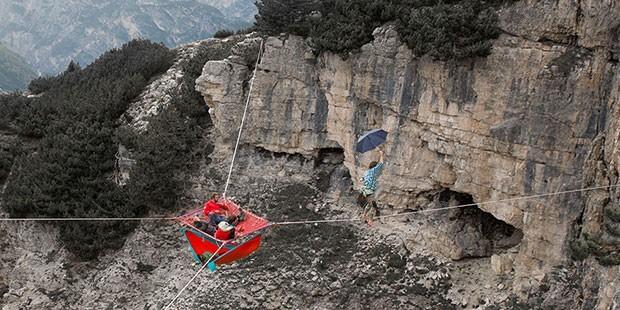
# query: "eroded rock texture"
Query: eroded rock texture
523,121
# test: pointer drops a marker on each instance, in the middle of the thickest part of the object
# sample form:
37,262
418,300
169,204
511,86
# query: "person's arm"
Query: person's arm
377,169
223,207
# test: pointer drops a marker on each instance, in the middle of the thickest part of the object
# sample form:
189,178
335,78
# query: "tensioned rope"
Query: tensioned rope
446,208
245,111
328,220
67,219
195,276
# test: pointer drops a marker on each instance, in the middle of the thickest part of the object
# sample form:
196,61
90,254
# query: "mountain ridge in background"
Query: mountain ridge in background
50,35
242,9
15,72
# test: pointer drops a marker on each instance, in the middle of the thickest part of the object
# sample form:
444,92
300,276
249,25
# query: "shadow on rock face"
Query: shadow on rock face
469,232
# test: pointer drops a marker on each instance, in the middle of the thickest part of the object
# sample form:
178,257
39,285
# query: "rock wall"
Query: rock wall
288,110
523,121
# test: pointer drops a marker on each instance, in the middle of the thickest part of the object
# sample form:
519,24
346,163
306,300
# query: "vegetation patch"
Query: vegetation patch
74,119
8,151
223,33
443,29
605,245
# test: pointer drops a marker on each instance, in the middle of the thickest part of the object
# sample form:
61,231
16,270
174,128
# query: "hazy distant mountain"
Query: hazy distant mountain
51,33
15,72
243,9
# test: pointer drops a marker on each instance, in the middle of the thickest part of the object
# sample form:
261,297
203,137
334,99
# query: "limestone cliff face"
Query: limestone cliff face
288,110
540,114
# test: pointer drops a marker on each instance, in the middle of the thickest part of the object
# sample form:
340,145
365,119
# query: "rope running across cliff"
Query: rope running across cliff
354,219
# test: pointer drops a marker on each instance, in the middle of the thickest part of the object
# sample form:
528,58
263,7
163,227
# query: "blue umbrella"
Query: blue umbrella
371,140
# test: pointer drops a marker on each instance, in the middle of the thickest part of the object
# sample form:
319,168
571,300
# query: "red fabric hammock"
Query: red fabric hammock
202,245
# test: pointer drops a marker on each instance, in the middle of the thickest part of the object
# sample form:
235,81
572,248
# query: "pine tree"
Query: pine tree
291,16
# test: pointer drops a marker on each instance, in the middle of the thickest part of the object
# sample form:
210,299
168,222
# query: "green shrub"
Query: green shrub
12,106
443,29
88,239
160,155
290,16
613,229
346,25
583,247
6,162
612,212
223,33
611,259
600,247
449,31
40,84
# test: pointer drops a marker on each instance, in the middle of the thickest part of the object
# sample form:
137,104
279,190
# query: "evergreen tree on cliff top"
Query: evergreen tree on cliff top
290,16
443,29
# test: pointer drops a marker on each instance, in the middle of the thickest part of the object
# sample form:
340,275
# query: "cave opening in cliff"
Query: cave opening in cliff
476,233
331,155
331,173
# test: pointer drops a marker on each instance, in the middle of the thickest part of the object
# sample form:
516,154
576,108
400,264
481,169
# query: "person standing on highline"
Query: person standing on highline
369,186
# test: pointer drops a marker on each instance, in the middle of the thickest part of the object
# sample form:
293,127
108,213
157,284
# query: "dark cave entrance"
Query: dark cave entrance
332,174
475,233
332,155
